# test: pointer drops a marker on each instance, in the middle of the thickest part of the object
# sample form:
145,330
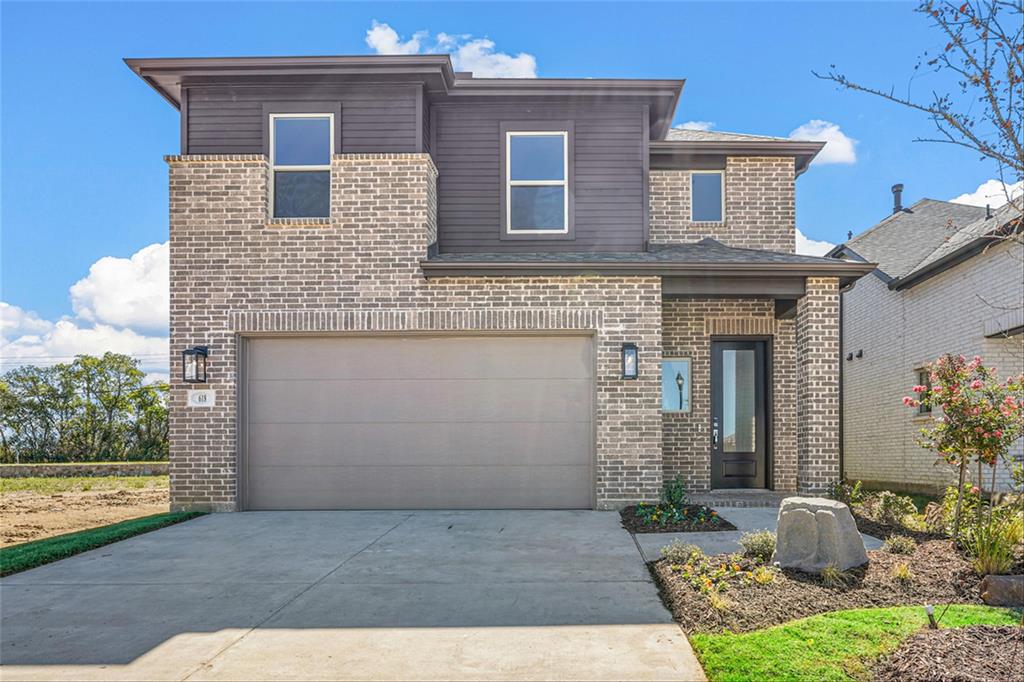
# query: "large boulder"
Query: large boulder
815,532
1003,590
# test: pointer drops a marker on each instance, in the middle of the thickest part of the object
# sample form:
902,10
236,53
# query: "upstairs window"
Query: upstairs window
301,146
924,378
706,204
537,171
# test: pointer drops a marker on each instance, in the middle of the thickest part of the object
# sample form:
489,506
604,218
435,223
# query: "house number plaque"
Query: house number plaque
202,398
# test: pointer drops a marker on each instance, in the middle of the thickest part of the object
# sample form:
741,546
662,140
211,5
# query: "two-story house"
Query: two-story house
950,279
416,288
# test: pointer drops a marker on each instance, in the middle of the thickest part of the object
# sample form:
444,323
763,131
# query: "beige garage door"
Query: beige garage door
418,422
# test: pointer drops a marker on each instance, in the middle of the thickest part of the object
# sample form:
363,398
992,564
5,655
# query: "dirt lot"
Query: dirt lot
34,508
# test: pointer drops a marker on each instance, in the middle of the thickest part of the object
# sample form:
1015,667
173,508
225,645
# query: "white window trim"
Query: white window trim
721,175
273,152
510,183
689,384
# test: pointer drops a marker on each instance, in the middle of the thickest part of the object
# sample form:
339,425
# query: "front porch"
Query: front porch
756,416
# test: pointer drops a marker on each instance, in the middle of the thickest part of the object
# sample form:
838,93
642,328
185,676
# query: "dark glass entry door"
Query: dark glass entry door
739,414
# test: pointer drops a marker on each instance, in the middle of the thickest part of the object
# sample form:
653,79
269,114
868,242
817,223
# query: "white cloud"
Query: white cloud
468,53
811,247
839,147
126,292
991,192
15,322
695,125
121,307
385,40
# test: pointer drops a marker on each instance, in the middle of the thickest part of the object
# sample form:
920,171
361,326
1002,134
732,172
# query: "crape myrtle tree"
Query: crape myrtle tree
975,93
978,417
92,409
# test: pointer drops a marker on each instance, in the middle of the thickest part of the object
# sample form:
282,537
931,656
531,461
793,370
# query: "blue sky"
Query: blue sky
84,184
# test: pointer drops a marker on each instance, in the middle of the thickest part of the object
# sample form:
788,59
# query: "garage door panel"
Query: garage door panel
420,357
419,422
419,487
482,443
394,400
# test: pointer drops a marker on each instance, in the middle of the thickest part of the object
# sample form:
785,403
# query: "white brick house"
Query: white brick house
943,285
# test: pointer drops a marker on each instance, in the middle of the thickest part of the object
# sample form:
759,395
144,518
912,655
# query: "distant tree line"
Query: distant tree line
92,409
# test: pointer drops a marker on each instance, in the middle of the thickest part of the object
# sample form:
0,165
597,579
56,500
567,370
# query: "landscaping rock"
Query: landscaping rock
815,532
1003,590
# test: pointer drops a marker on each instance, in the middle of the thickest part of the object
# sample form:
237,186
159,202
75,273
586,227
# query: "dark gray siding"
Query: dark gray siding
609,153
229,119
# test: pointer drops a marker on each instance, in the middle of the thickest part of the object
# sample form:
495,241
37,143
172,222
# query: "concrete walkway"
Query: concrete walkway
349,595
746,520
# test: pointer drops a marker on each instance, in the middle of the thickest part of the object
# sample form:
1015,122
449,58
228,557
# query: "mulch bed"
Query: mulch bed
940,575
970,654
699,519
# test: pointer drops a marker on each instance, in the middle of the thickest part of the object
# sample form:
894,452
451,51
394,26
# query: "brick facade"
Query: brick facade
687,329
233,272
817,385
759,206
236,272
899,332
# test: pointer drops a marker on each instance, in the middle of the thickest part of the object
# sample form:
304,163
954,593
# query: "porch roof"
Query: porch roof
706,258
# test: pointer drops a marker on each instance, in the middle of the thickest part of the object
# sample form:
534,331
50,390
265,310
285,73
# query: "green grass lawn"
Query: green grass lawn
47,485
31,554
832,646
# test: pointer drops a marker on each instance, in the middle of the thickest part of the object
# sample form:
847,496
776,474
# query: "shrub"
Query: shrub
900,544
901,573
679,552
847,493
718,601
759,545
889,508
832,577
991,545
673,493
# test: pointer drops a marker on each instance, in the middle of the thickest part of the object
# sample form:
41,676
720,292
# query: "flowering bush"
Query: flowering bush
980,418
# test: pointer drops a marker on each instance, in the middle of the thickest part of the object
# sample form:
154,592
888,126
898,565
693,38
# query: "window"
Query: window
301,146
675,385
706,205
536,170
924,378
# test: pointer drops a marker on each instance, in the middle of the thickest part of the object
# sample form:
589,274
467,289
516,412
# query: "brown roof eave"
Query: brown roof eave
665,153
844,270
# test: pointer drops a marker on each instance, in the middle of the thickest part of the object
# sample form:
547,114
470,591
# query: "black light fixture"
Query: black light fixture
193,364
679,384
630,360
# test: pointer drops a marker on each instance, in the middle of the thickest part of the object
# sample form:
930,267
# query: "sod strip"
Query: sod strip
39,552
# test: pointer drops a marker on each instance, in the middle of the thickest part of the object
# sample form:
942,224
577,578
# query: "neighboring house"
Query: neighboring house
424,289
945,283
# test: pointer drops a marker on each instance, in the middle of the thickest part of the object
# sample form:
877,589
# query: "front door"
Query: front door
739,411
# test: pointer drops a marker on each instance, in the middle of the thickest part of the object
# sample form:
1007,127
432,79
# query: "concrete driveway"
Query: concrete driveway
349,595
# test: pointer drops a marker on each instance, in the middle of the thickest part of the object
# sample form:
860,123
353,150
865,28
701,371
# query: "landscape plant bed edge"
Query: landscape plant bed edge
939,575
695,522
28,555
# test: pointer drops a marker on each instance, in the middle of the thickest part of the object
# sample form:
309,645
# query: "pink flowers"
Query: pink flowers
918,389
976,384
975,490
910,402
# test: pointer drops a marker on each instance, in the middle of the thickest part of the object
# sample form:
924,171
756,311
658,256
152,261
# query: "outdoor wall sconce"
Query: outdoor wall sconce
193,364
629,361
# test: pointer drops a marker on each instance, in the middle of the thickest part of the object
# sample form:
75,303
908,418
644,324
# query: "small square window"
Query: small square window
675,385
536,182
706,197
301,146
924,378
